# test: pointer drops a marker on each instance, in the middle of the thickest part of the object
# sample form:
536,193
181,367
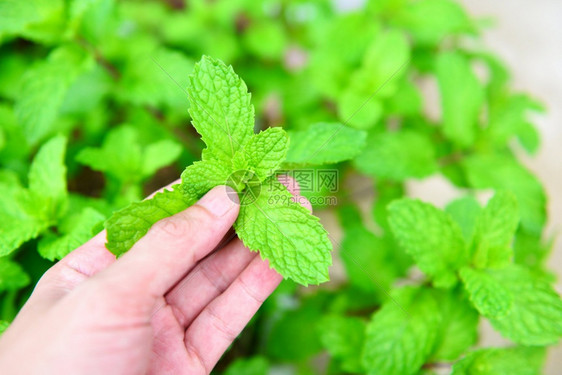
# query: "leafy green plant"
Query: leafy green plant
93,117
282,231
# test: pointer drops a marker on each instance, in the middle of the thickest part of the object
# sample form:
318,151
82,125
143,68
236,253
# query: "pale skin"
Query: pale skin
169,306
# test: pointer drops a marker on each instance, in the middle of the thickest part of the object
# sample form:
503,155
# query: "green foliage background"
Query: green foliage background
93,115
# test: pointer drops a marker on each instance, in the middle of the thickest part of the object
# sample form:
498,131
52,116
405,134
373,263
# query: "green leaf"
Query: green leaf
220,108
488,295
465,212
502,361
504,173
266,39
202,176
535,317
359,109
22,218
128,225
12,276
248,366
370,263
3,326
47,176
508,118
324,143
397,155
16,15
430,21
285,233
264,152
401,334
384,62
77,229
431,237
28,212
159,154
458,329
292,336
343,337
123,157
78,7
151,76
461,96
531,251
43,89
495,229
120,155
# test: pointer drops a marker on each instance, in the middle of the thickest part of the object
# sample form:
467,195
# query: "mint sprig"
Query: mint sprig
285,233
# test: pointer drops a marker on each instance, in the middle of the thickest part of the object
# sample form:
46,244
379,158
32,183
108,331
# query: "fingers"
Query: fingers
208,280
174,245
222,320
79,265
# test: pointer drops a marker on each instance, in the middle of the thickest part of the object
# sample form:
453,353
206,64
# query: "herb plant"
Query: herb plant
283,231
93,117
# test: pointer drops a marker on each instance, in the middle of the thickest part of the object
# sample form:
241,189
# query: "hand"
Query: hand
165,307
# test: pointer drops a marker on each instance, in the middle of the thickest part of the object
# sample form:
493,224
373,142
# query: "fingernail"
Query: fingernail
219,200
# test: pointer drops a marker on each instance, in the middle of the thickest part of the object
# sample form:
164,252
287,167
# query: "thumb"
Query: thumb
174,245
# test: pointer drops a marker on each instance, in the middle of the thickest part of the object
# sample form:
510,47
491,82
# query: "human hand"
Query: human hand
168,306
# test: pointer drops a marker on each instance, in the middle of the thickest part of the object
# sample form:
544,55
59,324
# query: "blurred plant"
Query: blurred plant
93,116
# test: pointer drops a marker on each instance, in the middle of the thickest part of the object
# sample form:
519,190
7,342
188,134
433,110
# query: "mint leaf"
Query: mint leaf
78,7
488,295
458,328
43,89
370,262
294,242
292,336
159,154
12,276
508,118
129,224
324,143
3,326
123,157
531,251
266,39
285,233
465,212
20,223
461,96
401,334
47,177
120,155
344,338
146,76
535,317
264,152
504,173
28,212
502,361
495,229
430,21
359,104
202,176
77,229
16,15
397,155
431,237
220,108
248,366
